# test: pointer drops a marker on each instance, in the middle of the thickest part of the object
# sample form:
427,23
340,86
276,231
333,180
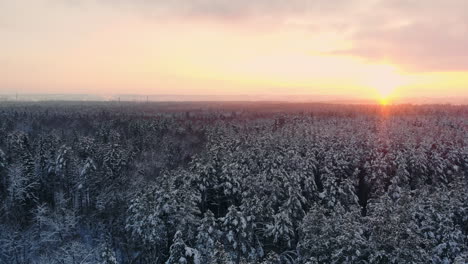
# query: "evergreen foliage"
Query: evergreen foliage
194,183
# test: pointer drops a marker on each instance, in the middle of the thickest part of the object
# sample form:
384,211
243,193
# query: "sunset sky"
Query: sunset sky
370,49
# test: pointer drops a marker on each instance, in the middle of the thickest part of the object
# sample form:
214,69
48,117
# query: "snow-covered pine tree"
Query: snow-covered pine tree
180,253
3,175
331,236
3,163
239,236
208,235
281,230
108,255
220,256
84,184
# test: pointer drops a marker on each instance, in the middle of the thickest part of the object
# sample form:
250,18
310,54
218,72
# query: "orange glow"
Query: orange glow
386,79
120,53
384,101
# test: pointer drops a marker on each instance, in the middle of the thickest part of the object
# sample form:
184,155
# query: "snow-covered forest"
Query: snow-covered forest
232,183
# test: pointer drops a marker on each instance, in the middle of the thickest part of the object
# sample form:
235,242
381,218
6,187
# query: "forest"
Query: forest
233,182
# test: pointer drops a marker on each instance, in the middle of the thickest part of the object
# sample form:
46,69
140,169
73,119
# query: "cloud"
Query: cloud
274,10
416,47
419,36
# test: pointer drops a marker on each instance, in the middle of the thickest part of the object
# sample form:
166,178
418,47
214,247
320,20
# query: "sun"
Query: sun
386,92
384,101
387,86
385,80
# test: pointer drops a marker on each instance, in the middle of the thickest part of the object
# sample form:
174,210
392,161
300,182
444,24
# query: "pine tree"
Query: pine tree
66,170
220,255
330,236
208,235
145,224
239,236
22,195
3,175
282,229
180,253
84,184
108,255
177,250
3,163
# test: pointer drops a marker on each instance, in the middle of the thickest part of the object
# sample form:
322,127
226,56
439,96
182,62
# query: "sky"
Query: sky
368,49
